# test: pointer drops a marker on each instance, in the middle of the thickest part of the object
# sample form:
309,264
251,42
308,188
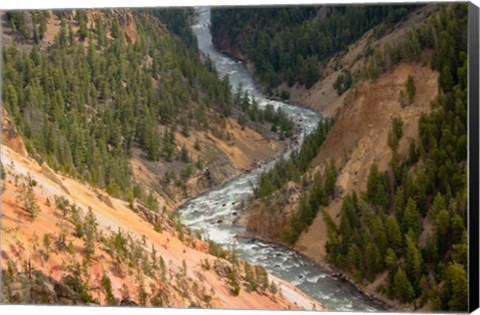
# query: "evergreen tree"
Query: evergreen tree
107,286
413,262
377,187
394,234
391,260
410,89
26,198
411,217
90,228
458,287
403,288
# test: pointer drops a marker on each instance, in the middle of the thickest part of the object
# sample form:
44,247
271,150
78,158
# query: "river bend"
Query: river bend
206,211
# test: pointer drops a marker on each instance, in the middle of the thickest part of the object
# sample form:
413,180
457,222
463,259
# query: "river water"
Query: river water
213,212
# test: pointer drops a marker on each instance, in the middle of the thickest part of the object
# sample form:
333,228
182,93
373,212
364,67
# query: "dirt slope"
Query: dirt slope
10,136
358,138
322,97
186,283
360,135
221,155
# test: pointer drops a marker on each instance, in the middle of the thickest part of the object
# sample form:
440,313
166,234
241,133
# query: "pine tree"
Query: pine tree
391,260
402,287
330,180
394,234
410,89
107,286
46,243
81,19
273,288
142,293
439,204
100,30
235,285
377,190
197,146
458,287
26,198
413,262
90,228
250,277
373,260
184,154
411,217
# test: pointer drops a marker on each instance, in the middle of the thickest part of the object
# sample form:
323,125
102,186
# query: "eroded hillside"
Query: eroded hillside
383,203
360,136
66,242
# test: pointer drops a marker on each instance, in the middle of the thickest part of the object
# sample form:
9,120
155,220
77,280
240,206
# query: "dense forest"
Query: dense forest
289,44
380,228
297,164
85,101
411,222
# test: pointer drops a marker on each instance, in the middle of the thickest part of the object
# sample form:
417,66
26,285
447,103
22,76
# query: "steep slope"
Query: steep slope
10,135
360,136
105,105
384,201
323,96
115,98
290,44
121,258
364,119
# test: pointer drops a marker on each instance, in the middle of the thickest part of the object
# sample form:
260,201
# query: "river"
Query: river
213,212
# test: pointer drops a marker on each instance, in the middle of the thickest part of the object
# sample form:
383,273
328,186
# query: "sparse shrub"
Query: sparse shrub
142,293
46,243
26,198
343,82
284,94
107,286
235,285
75,281
196,146
273,288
